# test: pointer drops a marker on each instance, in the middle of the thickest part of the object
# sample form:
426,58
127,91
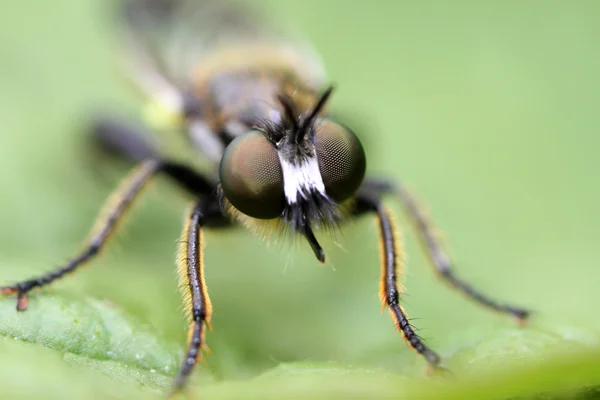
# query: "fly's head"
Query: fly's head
299,170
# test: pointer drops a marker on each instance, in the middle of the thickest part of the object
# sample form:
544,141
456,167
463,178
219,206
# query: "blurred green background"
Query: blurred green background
489,110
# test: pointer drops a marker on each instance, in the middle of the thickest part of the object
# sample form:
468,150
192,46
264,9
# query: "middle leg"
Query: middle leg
114,212
431,243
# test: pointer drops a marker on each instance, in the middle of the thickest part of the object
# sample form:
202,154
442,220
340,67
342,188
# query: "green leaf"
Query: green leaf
89,328
85,347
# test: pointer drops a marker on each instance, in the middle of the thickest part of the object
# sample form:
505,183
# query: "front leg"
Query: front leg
193,288
392,264
432,245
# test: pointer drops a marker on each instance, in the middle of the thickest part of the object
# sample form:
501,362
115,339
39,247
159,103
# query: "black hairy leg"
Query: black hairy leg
128,144
197,304
392,263
113,212
432,246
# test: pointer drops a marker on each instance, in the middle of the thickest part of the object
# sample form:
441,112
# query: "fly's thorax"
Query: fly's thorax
262,56
233,89
246,98
235,102
238,86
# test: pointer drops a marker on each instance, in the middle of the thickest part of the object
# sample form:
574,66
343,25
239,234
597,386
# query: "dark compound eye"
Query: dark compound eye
341,158
251,176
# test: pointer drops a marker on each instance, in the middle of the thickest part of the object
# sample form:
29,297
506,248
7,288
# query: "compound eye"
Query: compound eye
341,159
251,176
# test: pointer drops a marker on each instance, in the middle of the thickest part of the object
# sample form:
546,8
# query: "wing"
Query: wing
167,39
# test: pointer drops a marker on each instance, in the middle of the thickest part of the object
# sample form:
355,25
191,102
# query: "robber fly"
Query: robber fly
257,108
